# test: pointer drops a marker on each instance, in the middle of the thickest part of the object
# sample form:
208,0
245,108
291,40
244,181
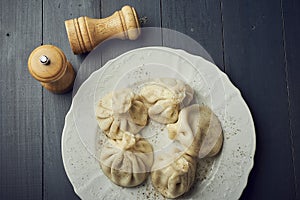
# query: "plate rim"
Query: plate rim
177,51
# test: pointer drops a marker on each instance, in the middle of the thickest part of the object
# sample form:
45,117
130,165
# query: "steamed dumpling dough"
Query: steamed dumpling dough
127,162
176,178
199,130
164,97
121,111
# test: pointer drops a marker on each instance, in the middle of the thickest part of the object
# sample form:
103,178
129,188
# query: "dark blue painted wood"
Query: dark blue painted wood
56,184
291,19
255,62
201,20
21,102
261,42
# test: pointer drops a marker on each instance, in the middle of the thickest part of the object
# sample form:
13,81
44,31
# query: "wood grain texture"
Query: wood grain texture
254,60
148,8
21,102
291,18
57,75
55,107
85,33
201,20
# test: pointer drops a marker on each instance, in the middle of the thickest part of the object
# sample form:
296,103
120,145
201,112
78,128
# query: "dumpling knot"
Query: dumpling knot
121,111
182,165
128,140
122,100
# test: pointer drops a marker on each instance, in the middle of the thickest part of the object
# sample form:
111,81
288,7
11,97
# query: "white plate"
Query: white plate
223,177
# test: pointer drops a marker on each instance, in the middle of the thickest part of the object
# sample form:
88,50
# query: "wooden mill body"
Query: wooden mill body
48,65
85,33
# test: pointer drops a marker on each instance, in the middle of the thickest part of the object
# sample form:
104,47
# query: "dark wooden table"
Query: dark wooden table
255,42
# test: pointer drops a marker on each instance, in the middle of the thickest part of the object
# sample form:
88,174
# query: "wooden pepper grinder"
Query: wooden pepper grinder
48,64
85,33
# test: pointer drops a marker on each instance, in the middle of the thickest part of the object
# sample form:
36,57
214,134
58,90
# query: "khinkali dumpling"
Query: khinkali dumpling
164,98
121,111
127,162
199,130
176,178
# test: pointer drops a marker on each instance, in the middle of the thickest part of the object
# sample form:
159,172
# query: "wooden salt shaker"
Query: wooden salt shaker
48,64
85,33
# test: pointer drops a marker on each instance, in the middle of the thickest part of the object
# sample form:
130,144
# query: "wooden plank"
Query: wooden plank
201,20
291,18
254,60
56,183
21,101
